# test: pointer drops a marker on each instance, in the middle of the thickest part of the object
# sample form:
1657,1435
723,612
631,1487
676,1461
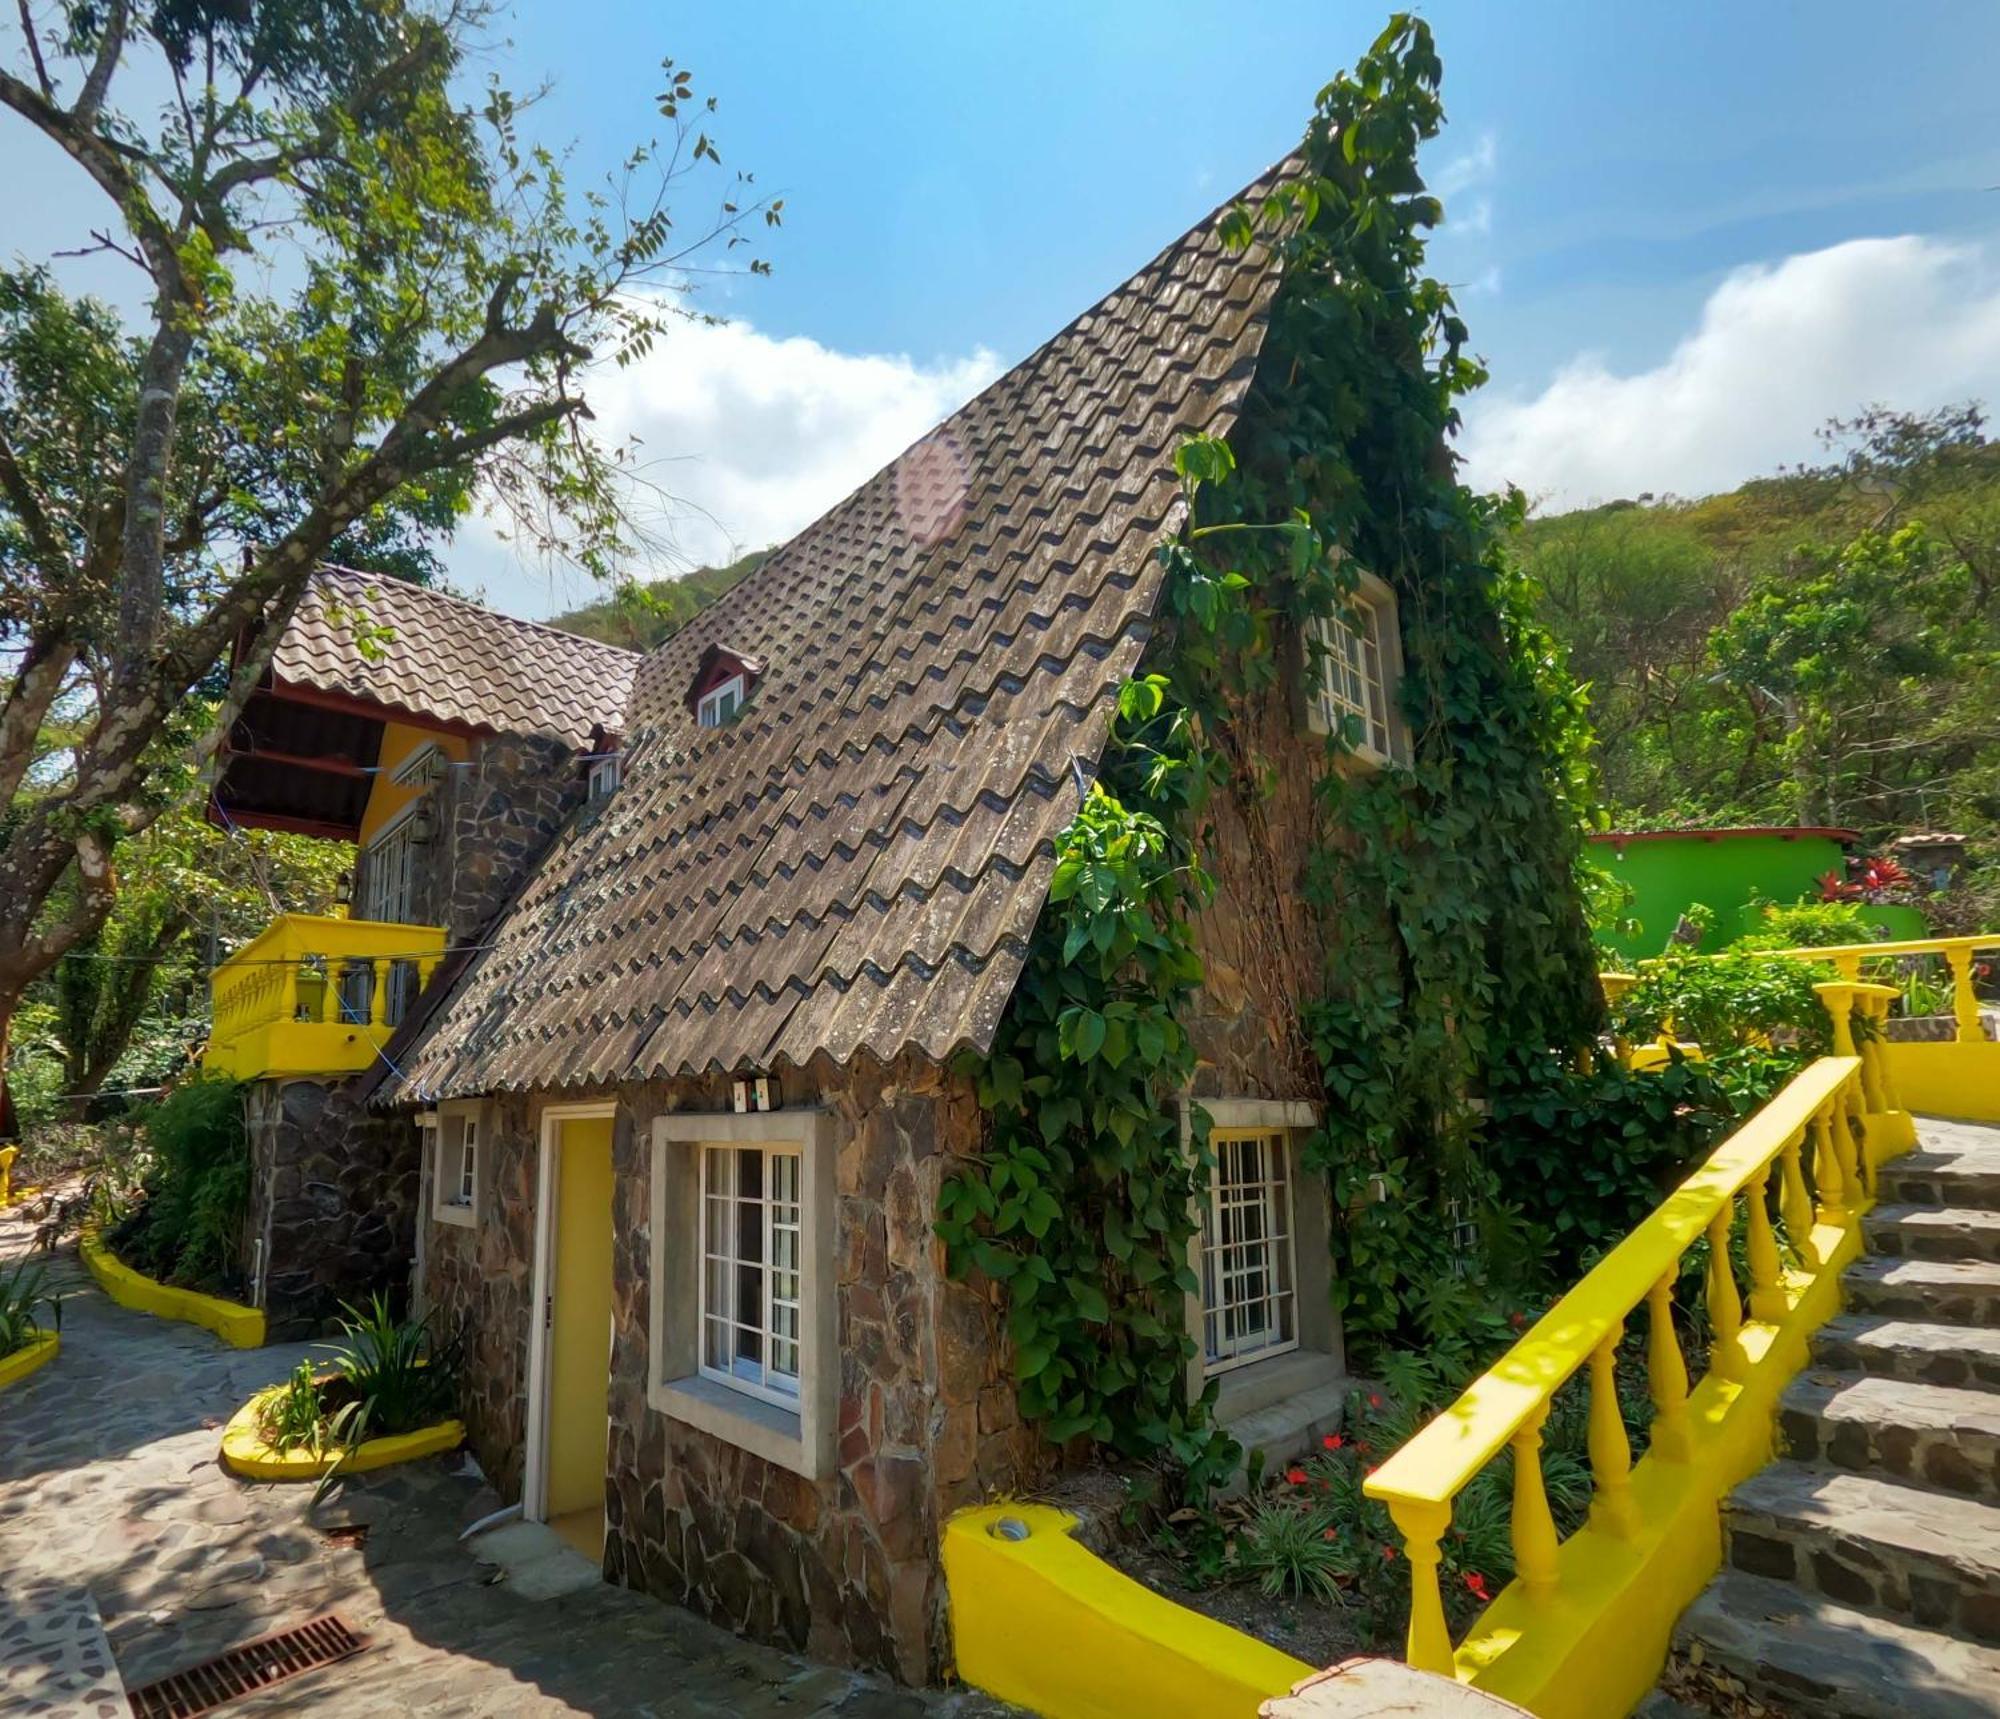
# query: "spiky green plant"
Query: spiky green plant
21,1299
1292,1549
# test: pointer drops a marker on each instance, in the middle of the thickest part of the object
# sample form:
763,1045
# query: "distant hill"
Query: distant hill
641,616
1776,654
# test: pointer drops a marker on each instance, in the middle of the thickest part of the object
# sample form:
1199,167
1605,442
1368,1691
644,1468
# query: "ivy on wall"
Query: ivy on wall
1457,955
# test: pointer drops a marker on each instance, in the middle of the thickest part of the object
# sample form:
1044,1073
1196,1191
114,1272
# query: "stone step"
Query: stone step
1948,1292
1933,1232
1930,1434
1807,1654
1926,1557
1910,1349
1955,1164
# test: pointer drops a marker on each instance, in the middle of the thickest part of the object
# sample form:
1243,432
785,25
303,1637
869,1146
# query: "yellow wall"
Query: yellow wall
580,1348
388,797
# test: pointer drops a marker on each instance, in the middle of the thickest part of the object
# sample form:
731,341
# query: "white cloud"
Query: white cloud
1475,166
750,435
1778,349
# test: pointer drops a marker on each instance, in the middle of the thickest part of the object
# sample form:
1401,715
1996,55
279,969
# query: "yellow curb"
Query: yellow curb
240,1327
244,1451
41,1349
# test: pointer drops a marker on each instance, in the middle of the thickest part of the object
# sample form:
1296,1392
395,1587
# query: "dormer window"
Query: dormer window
721,704
604,777
602,769
722,684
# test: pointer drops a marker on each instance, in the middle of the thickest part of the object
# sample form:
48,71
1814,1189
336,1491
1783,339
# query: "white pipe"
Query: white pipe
506,1513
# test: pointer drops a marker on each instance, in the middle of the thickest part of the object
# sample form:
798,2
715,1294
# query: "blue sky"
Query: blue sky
1683,235
958,175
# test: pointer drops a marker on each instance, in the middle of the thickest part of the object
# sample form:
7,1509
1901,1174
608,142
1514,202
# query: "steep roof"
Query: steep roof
856,863
451,660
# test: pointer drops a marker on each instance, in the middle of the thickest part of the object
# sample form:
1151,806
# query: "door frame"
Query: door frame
541,1314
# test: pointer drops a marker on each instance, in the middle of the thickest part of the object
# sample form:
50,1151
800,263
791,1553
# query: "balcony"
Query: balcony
314,996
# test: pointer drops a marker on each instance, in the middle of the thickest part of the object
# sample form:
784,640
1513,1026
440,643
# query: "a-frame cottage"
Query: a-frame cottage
688,1100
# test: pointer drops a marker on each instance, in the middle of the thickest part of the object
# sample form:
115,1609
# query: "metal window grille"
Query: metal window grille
1248,1269
468,1161
752,1230
1351,677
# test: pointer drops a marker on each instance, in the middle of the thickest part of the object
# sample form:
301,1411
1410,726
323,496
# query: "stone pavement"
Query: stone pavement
109,1482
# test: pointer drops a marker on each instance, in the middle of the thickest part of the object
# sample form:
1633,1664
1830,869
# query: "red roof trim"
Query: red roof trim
1785,832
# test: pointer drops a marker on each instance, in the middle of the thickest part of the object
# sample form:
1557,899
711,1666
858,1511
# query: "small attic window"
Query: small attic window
720,704
604,777
722,684
603,763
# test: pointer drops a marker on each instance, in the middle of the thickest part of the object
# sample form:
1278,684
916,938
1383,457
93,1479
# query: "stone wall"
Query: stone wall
1261,948
498,814
846,1567
333,1201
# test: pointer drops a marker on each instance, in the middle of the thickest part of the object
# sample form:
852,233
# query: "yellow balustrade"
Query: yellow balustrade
1959,1076
310,995
1582,1630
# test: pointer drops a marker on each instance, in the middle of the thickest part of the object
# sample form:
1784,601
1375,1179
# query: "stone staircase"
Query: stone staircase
1862,1570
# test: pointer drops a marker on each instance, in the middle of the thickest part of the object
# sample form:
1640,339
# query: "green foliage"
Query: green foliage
640,616
189,1230
1291,1553
1458,942
1810,925
1583,1155
1819,647
1735,1001
394,1370
1081,1206
22,1299
290,1417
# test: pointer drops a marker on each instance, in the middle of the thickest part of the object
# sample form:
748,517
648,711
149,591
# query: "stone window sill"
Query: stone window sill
452,1212
763,1429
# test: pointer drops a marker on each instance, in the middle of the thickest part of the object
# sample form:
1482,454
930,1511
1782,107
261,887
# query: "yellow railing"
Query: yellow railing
1958,954
1582,1629
316,996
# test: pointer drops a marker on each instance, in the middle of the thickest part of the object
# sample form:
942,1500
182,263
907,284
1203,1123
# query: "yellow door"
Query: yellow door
580,1334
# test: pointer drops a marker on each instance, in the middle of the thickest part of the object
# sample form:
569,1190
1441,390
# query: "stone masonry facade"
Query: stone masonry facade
844,1568
333,1204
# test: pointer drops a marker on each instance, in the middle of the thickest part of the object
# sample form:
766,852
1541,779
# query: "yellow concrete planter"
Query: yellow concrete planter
22,1362
244,1451
240,1327
1051,1627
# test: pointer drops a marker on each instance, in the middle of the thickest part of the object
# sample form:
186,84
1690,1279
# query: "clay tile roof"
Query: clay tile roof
451,660
855,864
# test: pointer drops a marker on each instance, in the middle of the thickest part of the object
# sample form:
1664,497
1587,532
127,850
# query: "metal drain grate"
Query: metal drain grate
245,1670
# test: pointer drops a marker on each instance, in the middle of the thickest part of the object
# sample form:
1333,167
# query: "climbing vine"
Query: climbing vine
1457,957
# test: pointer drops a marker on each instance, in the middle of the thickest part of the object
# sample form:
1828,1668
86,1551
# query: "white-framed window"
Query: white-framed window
1249,1260
605,776
1356,665
751,1283
455,1165
720,703
744,1332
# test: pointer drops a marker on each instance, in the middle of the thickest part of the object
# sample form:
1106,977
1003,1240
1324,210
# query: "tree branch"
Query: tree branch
109,47
35,51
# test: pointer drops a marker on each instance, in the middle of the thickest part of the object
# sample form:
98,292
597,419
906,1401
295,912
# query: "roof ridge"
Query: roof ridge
443,596
729,598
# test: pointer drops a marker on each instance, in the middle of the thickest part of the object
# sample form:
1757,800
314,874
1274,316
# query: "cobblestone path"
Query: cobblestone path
109,1481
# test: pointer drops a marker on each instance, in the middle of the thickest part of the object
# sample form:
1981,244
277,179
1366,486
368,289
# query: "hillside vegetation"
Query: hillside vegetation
640,616
1821,646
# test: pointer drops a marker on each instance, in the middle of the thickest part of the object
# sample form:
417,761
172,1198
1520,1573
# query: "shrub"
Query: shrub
1735,1000
21,1299
290,1416
189,1229
1293,1552
1810,925
393,1369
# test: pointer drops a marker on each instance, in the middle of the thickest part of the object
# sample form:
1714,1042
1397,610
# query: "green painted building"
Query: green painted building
1729,870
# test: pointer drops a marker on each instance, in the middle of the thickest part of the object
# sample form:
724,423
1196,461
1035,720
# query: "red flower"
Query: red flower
1517,1320
1388,1554
1330,1534
1297,1476
1476,1583
1374,1402
1362,1446
1333,1441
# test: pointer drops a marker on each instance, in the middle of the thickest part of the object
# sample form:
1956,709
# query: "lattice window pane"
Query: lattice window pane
752,1263
1353,680
1248,1267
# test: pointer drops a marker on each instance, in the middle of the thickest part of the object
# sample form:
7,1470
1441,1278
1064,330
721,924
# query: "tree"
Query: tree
368,301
